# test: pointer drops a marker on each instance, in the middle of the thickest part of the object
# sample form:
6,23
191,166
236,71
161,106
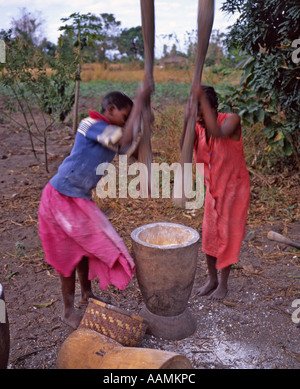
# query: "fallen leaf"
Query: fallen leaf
11,275
249,270
229,303
278,136
43,305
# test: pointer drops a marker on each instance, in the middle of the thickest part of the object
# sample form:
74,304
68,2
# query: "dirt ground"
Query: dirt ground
252,328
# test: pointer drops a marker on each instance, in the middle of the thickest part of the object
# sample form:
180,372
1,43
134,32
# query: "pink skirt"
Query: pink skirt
71,228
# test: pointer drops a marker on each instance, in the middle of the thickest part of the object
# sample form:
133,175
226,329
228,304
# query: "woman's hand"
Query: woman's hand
145,90
197,91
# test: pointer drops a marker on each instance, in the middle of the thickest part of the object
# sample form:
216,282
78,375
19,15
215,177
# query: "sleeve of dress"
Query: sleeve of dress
107,136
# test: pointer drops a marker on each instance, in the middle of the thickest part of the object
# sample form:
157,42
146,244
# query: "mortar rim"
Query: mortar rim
135,236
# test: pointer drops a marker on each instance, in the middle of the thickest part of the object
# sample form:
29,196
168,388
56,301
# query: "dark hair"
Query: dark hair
211,96
119,99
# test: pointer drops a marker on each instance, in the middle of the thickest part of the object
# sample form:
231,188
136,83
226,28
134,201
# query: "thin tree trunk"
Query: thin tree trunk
77,86
76,102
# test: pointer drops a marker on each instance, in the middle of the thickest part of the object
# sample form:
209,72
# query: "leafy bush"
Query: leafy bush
27,86
269,90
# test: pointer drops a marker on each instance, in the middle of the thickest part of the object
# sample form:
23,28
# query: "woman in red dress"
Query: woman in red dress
218,144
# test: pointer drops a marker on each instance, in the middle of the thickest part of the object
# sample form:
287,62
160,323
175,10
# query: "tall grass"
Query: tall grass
134,73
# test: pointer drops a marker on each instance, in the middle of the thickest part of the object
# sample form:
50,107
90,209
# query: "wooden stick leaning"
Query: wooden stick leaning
145,151
136,139
182,183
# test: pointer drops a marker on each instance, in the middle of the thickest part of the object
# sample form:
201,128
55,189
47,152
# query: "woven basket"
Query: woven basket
122,326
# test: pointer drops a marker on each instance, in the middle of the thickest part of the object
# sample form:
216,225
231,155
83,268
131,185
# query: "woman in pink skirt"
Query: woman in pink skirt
75,234
219,146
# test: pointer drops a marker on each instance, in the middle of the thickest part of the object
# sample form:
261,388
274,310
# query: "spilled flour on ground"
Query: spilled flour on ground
213,352
211,347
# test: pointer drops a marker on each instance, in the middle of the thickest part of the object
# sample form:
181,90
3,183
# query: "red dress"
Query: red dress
227,195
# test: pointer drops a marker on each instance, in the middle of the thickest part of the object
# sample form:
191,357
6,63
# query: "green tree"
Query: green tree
215,49
86,28
28,27
110,31
130,42
27,87
265,32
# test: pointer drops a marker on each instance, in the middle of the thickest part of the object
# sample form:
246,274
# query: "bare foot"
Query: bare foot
72,319
219,294
207,288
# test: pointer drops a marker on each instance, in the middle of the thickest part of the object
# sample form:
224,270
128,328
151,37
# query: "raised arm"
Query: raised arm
231,127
